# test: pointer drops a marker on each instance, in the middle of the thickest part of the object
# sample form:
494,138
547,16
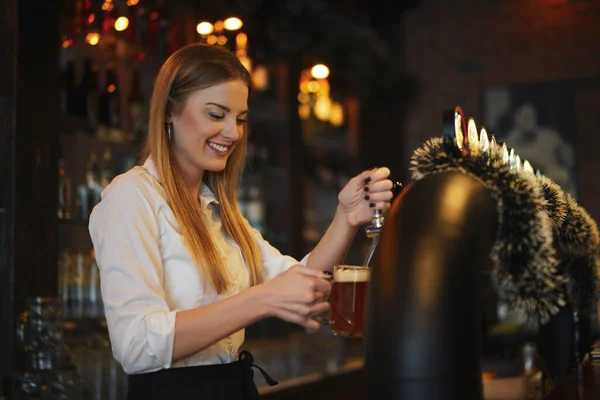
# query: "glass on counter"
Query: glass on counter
79,285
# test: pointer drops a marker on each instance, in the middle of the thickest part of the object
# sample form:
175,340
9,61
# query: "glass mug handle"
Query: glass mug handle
324,317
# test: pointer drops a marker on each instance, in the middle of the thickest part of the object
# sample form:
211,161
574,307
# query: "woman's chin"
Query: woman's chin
216,166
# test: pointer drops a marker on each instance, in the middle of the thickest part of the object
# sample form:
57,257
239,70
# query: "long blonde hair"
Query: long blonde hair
189,69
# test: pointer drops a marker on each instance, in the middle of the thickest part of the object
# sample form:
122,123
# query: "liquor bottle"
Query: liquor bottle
92,185
84,88
70,88
255,208
110,105
116,117
91,92
136,109
64,189
94,298
106,173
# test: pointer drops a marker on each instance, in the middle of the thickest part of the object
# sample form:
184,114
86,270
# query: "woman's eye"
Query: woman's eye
241,121
216,117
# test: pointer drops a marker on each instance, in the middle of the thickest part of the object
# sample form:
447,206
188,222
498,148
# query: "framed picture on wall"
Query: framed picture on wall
538,120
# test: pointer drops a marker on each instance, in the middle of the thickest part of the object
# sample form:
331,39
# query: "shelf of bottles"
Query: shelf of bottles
330,131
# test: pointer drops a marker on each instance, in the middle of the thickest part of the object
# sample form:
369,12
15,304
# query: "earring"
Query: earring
169,131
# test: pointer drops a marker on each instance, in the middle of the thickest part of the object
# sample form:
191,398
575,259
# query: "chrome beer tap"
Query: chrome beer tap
373,231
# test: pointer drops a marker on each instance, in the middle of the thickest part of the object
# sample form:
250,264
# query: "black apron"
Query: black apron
234,381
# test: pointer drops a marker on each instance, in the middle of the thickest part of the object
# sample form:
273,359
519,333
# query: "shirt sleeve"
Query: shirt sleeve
274,262
125,235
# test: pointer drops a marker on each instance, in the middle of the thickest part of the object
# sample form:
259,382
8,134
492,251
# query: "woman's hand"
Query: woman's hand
297,294
365,193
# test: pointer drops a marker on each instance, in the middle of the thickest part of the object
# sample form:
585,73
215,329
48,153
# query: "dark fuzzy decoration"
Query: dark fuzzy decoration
578,243
579,233
523,256
556,206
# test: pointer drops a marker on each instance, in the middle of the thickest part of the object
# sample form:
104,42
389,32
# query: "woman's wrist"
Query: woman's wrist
346,218
263,299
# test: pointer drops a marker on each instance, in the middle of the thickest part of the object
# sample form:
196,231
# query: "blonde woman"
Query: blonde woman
183,273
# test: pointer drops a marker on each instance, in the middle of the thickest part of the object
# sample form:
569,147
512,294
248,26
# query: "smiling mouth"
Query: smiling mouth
220,148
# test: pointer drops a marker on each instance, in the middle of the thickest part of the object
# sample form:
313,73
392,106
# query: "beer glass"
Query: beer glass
347,300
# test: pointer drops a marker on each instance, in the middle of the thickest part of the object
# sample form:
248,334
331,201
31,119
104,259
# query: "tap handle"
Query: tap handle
378,219
378,216
397,187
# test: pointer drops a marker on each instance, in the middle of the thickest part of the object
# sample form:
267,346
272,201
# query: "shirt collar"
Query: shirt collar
205,195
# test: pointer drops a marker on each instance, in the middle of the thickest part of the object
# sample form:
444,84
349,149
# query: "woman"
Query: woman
182,271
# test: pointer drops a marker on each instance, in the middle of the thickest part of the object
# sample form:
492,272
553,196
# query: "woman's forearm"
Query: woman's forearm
199,328
335,243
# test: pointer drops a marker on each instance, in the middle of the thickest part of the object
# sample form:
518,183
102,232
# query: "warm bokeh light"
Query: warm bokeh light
319,71
219,26
132,2
111,88
212,39
241,39
304,111
323,87
67,43
121,24
92,38
323,108
313,86
91,18
336,115
260,77
205,28
303,98
232,24
222,40
304,87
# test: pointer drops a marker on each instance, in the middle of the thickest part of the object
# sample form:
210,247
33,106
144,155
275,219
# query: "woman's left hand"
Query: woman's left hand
365,193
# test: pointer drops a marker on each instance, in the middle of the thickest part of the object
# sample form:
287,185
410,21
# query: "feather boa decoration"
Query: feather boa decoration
576,239
523,256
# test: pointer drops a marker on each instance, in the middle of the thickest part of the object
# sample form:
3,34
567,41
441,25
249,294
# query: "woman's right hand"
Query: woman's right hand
297,294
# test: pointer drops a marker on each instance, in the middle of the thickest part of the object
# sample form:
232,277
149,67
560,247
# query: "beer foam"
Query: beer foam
352,275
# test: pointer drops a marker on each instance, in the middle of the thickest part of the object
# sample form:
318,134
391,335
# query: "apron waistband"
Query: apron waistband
238,369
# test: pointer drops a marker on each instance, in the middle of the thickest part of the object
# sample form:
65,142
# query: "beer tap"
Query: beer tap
373,231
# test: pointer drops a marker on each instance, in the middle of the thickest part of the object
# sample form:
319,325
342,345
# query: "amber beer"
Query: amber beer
348,297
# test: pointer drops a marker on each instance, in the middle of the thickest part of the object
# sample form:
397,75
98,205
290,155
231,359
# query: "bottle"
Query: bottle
64,190
110,105
106,173
136,109
92,91
70,88
255,209
92,183
94,298
84,88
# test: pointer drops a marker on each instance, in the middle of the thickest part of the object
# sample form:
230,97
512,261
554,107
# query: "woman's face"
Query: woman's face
209,126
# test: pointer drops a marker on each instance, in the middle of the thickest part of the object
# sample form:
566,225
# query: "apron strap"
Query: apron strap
248,359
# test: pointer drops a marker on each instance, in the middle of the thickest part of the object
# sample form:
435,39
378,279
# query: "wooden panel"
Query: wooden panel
29,109
8,70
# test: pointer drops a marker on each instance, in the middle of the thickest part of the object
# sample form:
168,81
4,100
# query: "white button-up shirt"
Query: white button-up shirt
148,275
